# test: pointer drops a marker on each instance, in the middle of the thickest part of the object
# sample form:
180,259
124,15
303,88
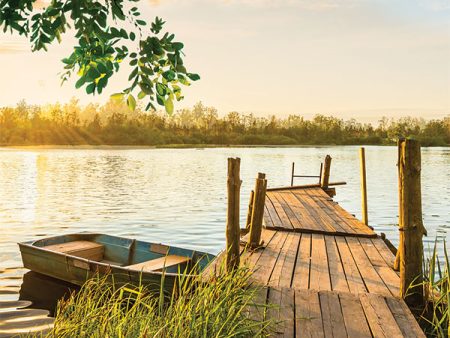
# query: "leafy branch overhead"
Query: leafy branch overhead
105,40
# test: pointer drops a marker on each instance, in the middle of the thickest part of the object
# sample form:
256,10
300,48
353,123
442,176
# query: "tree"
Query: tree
104,42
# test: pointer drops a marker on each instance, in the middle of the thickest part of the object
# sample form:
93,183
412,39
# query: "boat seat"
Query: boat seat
159,263
83,249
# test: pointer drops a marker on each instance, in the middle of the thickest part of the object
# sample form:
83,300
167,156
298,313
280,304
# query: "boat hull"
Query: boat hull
78,270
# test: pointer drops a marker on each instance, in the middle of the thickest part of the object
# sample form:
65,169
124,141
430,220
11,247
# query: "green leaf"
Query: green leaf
92,74
141,22
81,81
160,89
177,45
132,36
169,105
102,68
169,75
117,96
90,88
193,77
131,102
133,74
141,95
160,100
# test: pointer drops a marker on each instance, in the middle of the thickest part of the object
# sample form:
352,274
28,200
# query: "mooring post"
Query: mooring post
362,160
292,174
410,250
233,231
259,201
326,172
250,210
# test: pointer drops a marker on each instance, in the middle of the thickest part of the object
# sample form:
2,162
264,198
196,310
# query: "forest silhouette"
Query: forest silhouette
114,124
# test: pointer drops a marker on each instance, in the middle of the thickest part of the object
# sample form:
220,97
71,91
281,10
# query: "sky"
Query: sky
353,59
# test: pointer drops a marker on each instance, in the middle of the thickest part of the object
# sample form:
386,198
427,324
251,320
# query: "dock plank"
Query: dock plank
308,314
354,279
379,316
319,278
336,269
372,280
302,265
333,320
354,318
281,309
285,220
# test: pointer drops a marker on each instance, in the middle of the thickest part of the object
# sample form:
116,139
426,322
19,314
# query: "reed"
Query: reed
219,308
435,316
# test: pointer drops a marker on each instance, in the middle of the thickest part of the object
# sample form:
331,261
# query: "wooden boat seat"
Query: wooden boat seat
159,263
83,249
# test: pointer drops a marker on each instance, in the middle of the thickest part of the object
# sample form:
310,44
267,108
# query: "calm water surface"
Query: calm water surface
178,196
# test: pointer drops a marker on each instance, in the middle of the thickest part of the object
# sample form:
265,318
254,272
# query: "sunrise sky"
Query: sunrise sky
348,58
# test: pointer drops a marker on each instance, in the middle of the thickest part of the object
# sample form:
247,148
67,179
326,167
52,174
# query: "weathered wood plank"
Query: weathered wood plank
384,251
387,274
332,318
404,318
339,224
335,267
314,211
267,260
354,317
288,208
319,274
273,214
250,257
284,268
354,280
302,265
308,315
286,223
268,223
372,280
282,311
305,221
379,316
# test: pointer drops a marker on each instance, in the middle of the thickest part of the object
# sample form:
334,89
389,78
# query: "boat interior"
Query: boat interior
126,253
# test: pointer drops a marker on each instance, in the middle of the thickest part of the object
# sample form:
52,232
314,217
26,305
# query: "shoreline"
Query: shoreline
187,146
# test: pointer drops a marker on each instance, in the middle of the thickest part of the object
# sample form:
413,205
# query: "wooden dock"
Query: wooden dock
329,274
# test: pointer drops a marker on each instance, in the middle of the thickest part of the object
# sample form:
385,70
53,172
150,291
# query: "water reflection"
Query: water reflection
44,292
30,308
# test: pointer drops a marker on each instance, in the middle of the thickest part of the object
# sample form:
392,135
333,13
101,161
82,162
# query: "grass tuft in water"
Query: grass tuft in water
218,308
435,318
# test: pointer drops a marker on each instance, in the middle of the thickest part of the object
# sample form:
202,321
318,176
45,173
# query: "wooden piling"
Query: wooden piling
258,211
410,250
326,172
362,161
250,210
292,174
233,230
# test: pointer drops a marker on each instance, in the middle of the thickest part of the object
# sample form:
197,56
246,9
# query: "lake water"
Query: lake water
178,196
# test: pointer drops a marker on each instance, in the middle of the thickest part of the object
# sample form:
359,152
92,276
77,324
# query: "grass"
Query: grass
435,318
218,308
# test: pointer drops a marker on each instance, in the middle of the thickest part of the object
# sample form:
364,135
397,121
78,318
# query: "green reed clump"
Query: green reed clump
436,282
217,308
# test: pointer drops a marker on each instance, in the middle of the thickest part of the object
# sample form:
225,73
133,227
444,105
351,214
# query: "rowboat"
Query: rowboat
78,257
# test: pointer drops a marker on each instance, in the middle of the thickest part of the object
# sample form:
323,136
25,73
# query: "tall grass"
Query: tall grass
218,308
436,282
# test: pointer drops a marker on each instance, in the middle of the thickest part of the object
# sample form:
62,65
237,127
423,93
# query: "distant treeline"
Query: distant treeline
114,124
